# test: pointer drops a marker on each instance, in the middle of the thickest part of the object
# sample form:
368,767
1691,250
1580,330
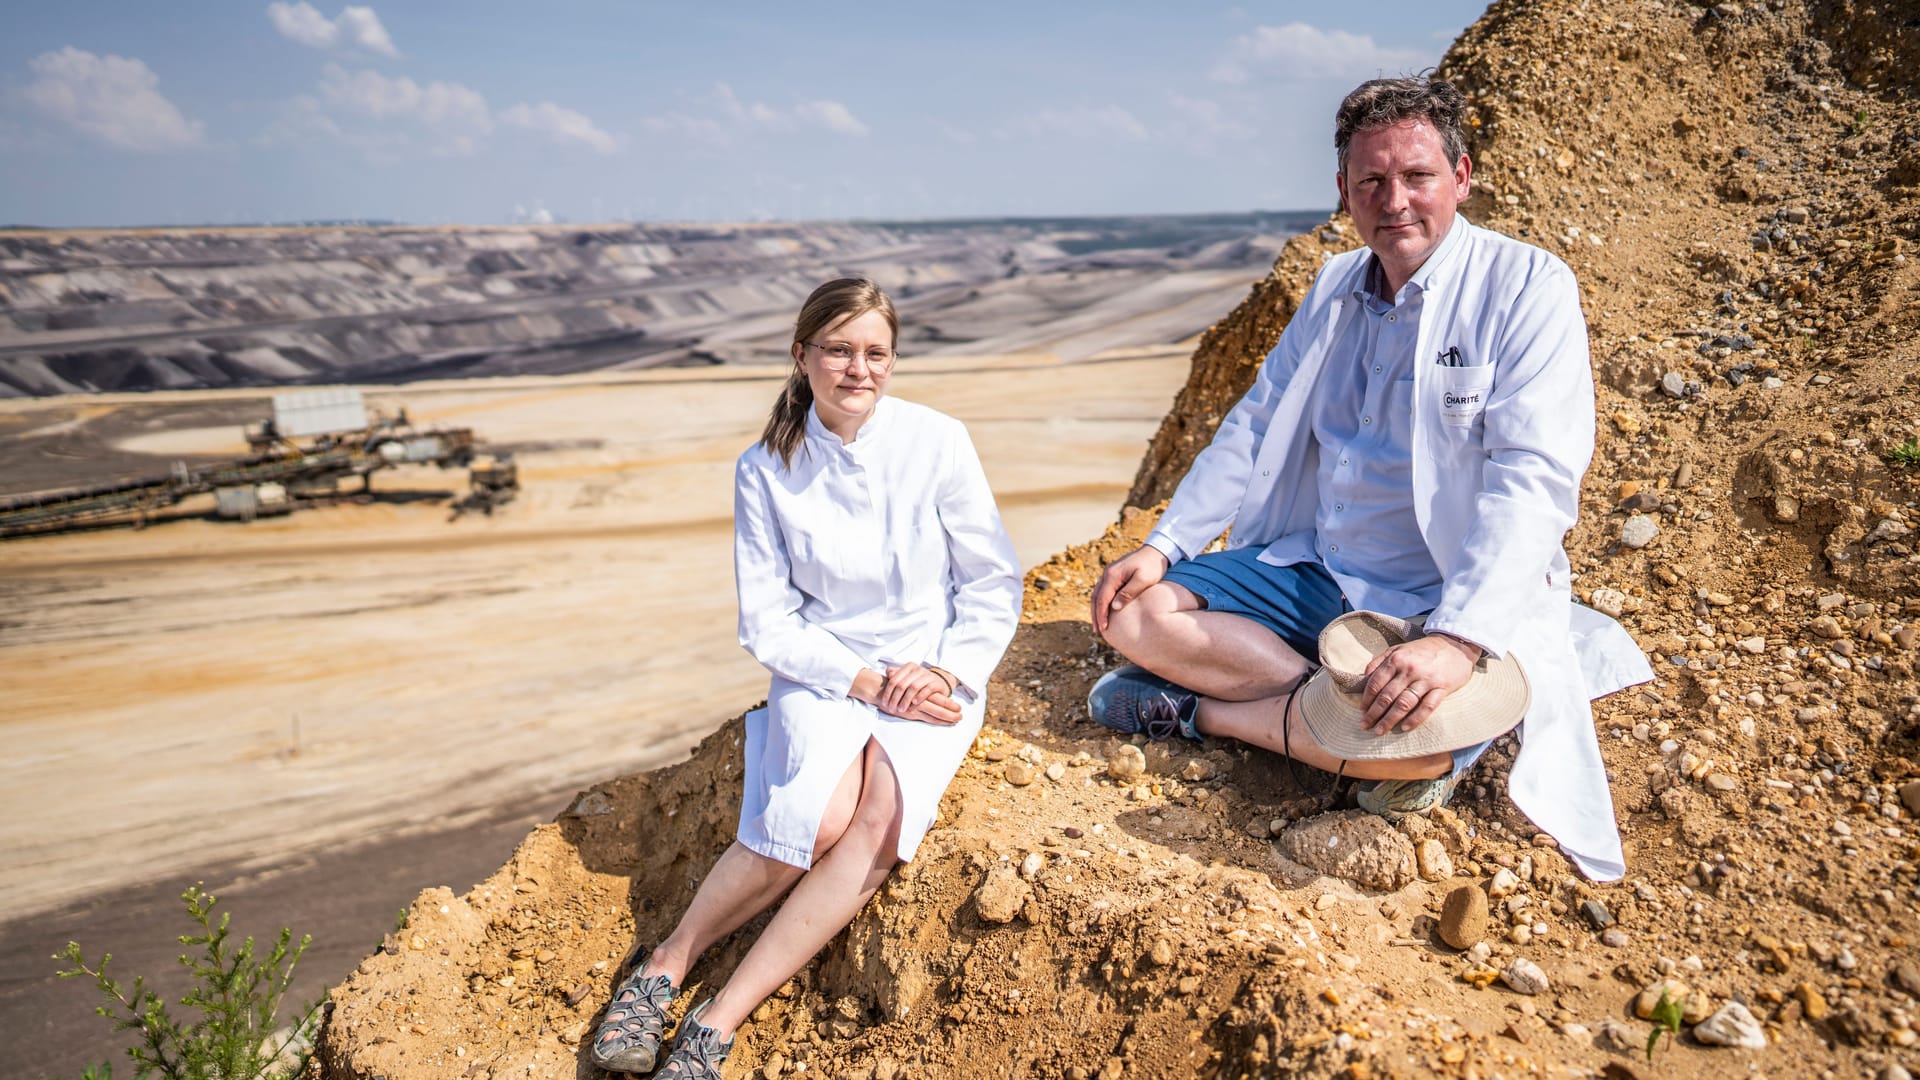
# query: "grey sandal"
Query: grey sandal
628,1038
698,1052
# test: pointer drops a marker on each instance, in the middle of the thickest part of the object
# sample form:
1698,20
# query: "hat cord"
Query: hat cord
1329,797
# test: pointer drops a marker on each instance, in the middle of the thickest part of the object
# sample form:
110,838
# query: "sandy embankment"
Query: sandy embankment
228,693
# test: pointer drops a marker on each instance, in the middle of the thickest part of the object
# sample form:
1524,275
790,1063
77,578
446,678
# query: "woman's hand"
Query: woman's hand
908,685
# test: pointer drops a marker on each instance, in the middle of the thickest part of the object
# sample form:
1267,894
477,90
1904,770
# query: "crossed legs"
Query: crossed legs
1245,675
854,851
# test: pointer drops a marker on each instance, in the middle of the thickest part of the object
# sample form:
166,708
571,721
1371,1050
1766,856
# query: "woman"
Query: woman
878,587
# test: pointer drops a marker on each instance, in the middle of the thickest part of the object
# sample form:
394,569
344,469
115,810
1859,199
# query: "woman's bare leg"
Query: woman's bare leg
824,902
743,883
1257,723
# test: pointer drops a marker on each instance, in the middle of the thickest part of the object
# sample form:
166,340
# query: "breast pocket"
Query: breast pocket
1460,394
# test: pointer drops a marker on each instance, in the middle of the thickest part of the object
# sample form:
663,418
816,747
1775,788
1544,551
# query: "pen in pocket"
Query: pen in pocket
1451,358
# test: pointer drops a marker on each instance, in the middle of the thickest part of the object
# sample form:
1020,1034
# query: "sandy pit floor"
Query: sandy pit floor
204,692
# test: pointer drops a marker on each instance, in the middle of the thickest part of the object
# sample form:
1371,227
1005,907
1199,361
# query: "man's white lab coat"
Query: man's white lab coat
1501,436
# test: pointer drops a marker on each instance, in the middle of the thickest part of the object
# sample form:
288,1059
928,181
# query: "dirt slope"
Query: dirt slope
1738,188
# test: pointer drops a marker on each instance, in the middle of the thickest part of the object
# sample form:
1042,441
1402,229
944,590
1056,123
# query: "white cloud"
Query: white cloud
831,115
561,124
1206,120
1299,51
302,22
1101,122
114,99
723,117
442,105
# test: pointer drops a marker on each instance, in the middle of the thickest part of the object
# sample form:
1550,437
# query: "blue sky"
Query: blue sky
484,112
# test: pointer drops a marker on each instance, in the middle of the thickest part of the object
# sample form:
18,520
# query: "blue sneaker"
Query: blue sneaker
1135,701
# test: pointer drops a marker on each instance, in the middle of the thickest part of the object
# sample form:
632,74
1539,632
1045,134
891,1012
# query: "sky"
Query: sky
481,112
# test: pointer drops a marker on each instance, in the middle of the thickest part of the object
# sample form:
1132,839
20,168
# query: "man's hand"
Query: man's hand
1124,580
1410,680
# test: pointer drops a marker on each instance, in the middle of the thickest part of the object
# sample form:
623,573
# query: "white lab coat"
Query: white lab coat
1499,447
886,550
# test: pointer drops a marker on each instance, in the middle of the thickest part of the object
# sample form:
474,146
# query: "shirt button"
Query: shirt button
1266,472
1339,506
1392,318
1366,419
1333,547
1376,369
1343,461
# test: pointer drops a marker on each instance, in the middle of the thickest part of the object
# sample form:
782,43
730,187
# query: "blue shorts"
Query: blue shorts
1296,602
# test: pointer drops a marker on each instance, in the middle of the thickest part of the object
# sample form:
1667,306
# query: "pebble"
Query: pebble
1030,866
1001,896
1463,916
1597,914
1675,990
1609,602
1732,1026
1812,1005
1720,781
1673,384
1431,858
1907,977
1828,627
1523,976
1614,939
1503,883
1638,531
1055,771
1019,773
1618,1037
1127,763
1910,796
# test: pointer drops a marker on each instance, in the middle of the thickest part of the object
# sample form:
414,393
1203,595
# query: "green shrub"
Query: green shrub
236,995
1907,454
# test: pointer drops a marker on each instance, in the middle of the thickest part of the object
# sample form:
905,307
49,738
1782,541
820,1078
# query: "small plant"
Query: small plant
236,994
1907,454
1666,1018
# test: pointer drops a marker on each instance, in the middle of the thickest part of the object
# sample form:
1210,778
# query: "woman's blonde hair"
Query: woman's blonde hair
829,306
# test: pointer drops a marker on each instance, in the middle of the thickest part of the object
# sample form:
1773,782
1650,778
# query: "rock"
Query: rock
1641,503
1523,976
1907,977
1638,531
1001,896
1431,858
1910,796
1720,781
1826,626
591,804
1031,865
1609,602
1353,845
1056,771
1618,1037
1161,954
1732,1026
1019,773
1463,917
1646,1000
1127,763
1597,914
1504,882
1614,939
1673,384
1196,771
1786,509
1812,1005
1753,645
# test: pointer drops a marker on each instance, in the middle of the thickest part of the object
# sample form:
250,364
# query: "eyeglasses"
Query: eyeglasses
840,357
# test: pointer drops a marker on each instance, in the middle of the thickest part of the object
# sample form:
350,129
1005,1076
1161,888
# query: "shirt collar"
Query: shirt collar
1373,282
817,431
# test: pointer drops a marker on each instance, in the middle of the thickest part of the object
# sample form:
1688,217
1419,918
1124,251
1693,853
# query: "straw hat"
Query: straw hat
1334,707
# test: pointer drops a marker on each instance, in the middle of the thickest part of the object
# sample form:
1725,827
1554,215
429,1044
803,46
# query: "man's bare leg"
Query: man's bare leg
1218,655
1257,723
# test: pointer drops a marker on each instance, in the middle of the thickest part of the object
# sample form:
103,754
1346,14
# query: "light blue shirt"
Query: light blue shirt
1365,532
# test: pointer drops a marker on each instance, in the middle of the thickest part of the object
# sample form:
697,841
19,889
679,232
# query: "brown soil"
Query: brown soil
1738,188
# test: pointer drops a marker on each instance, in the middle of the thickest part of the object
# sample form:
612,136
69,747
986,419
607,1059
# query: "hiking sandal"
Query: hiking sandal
628,1038
698,1051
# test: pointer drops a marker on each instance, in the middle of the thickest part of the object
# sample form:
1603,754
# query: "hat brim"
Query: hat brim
1491,704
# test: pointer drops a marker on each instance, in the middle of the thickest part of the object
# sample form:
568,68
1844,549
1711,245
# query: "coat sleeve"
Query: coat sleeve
985,572
1538,443
1211,493
771,627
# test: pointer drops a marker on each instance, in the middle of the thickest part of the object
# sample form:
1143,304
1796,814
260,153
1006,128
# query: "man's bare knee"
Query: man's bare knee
1136,627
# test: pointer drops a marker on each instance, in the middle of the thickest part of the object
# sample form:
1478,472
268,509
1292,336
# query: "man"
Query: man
1414,445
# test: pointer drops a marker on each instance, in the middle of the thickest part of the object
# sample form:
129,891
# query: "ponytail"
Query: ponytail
788,423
